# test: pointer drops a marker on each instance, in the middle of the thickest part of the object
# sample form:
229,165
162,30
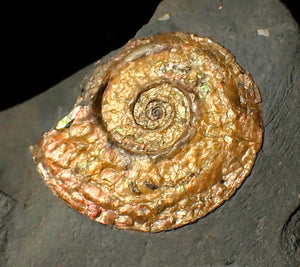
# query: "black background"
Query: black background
45,43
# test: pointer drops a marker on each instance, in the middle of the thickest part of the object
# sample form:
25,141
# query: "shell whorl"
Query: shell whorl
164,132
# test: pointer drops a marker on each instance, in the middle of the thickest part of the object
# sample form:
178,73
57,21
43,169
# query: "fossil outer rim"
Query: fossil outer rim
104,178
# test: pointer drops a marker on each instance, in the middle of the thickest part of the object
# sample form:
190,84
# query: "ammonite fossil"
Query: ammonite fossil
163,133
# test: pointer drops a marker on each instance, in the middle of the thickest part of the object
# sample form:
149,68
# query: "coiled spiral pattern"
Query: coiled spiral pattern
163,133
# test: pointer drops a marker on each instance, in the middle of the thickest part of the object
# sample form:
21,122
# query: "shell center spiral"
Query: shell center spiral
151,122
153,109
154,112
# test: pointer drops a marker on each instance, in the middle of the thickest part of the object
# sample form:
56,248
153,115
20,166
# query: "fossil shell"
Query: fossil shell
163,133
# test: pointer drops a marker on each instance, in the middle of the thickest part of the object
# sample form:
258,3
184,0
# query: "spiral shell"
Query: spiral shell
163,133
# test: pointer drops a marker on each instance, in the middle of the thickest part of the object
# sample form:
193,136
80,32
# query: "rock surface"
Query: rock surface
258,226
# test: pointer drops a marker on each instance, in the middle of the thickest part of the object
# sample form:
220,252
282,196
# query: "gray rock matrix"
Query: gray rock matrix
258,226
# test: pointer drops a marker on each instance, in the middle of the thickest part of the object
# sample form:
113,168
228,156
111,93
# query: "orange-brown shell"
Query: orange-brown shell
164,133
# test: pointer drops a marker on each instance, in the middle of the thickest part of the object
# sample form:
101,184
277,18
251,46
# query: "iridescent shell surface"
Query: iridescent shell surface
163,133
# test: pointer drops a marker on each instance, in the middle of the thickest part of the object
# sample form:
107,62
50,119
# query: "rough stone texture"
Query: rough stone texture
290,238
258,226
6,204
